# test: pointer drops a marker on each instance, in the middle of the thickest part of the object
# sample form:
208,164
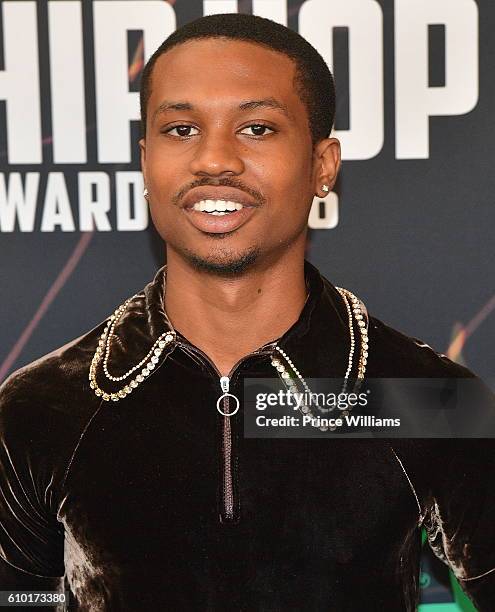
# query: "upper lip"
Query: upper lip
229,194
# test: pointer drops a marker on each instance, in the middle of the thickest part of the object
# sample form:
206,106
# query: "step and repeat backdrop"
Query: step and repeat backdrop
409,228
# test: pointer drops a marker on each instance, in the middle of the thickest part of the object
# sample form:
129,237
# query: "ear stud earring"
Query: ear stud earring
145,194
325,188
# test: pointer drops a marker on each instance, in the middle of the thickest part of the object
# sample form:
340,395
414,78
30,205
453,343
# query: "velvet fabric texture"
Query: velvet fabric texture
124,502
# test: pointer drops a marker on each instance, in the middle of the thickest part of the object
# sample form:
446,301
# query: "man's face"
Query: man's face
226,128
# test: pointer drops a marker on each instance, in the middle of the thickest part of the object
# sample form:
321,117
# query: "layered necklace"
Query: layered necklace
356,311
288,372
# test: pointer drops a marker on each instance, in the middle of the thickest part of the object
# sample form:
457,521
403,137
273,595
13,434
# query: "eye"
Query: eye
257,129
183,131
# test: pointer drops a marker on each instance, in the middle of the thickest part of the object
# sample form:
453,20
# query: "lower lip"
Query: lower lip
219,224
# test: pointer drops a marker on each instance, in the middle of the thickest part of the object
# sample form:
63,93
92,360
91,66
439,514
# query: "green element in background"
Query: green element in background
462,601
424,580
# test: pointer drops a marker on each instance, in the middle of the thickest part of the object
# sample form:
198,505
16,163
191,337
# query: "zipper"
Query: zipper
228,480
227,488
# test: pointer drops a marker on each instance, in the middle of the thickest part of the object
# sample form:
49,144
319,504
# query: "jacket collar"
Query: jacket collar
318,342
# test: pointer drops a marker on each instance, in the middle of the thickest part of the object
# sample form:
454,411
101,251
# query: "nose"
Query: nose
216,154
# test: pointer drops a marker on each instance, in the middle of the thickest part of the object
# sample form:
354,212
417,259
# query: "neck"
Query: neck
230,318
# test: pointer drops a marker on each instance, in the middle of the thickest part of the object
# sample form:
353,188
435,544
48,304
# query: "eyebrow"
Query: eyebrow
266,103
247,105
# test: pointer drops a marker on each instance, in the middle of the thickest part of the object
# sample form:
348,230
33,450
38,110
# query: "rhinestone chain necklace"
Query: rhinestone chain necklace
103,352
151,359
354,308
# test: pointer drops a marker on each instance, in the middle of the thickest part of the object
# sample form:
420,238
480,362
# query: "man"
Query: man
123,462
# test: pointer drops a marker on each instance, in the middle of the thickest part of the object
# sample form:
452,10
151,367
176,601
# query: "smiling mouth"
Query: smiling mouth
218,207
219,216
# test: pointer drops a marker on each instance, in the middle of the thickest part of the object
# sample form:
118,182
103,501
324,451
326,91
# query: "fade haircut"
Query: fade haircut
313,79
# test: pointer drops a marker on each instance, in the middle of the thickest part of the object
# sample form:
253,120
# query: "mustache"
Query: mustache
221,182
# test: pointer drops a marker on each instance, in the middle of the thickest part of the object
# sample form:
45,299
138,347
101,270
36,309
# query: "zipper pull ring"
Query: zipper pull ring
225,385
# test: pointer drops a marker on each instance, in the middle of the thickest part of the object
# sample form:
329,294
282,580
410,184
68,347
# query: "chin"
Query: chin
226,264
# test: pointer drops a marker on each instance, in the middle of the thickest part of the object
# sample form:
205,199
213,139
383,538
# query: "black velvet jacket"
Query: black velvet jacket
125,501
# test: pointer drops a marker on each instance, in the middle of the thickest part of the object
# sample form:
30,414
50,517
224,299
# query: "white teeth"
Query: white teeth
216,206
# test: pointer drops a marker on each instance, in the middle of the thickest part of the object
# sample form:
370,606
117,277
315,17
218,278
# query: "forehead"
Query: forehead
218,70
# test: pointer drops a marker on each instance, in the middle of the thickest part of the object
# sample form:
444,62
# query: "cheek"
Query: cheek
160,180
159,218
162,188
290,189
283,175
164,170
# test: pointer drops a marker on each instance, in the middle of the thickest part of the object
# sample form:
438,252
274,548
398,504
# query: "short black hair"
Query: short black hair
314,81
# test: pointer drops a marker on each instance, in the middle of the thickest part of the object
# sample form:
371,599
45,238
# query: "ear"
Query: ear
142,146
326,165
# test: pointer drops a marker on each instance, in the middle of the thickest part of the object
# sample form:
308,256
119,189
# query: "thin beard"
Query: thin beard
229,269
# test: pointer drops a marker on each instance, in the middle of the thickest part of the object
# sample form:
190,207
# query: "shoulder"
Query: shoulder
392,353
59,382
46,404
44,407
54,382
395,354
56,387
